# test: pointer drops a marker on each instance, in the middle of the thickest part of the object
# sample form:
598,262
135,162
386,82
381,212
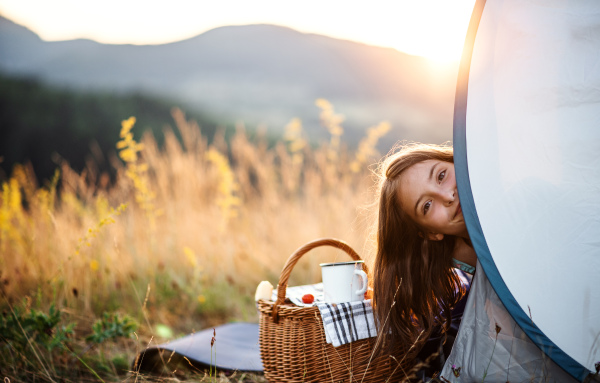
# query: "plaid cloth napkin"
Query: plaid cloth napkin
347,322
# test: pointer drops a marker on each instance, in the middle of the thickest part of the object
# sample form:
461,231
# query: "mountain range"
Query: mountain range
259,74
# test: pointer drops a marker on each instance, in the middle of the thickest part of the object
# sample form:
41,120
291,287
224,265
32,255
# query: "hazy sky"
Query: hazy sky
431,28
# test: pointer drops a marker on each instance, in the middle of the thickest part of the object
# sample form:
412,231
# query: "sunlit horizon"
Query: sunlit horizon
432,29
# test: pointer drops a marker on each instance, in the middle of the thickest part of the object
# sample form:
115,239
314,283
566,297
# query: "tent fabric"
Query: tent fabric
490,345
527,158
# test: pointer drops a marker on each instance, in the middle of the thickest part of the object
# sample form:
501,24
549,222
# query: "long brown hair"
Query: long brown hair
414,286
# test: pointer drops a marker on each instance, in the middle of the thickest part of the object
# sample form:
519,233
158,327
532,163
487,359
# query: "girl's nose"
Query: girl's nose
448,195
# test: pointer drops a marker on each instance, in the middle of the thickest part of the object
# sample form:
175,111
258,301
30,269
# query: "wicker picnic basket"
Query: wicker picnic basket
293,346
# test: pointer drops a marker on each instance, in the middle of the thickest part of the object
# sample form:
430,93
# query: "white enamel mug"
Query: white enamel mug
344,281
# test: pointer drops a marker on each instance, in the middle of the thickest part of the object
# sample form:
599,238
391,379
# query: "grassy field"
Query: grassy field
93,270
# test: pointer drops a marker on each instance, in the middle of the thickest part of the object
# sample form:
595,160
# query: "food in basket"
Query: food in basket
308,298
263,291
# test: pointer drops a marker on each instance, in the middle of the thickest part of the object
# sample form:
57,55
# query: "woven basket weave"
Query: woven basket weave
293,346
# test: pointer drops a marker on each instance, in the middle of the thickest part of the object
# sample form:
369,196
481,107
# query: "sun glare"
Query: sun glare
432,29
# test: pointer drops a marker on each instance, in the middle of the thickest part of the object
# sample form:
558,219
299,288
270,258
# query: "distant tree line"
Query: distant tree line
39,122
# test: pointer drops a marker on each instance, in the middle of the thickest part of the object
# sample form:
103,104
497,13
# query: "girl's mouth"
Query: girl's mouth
458,211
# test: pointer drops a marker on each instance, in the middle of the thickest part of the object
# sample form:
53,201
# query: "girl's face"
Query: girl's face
429,196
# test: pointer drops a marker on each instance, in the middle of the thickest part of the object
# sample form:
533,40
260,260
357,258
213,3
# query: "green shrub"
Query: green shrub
112,327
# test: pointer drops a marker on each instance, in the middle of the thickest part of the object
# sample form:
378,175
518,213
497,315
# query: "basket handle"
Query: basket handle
295,257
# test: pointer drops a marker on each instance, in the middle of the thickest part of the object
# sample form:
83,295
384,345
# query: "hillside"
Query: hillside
257,73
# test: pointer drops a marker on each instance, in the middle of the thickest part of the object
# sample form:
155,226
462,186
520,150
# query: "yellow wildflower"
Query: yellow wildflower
227,200
366,147
189,253
293,134
137,172
332,122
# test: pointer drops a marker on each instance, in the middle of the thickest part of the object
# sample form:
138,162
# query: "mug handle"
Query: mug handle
365,281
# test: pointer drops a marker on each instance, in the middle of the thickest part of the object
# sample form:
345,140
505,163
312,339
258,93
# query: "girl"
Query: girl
421,236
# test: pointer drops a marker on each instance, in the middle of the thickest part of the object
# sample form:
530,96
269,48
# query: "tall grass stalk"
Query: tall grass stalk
498,329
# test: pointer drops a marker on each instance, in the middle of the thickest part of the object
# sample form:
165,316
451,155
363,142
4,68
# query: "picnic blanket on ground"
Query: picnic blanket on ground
235,348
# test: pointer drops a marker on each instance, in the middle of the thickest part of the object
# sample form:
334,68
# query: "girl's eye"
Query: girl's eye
441,176
426,207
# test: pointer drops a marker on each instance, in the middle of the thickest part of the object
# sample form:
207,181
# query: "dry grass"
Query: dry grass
184,234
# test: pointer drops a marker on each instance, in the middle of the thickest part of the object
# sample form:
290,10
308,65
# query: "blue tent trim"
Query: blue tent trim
571,366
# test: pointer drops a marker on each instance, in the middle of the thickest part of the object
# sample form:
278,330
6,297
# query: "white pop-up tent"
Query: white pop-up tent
527,158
